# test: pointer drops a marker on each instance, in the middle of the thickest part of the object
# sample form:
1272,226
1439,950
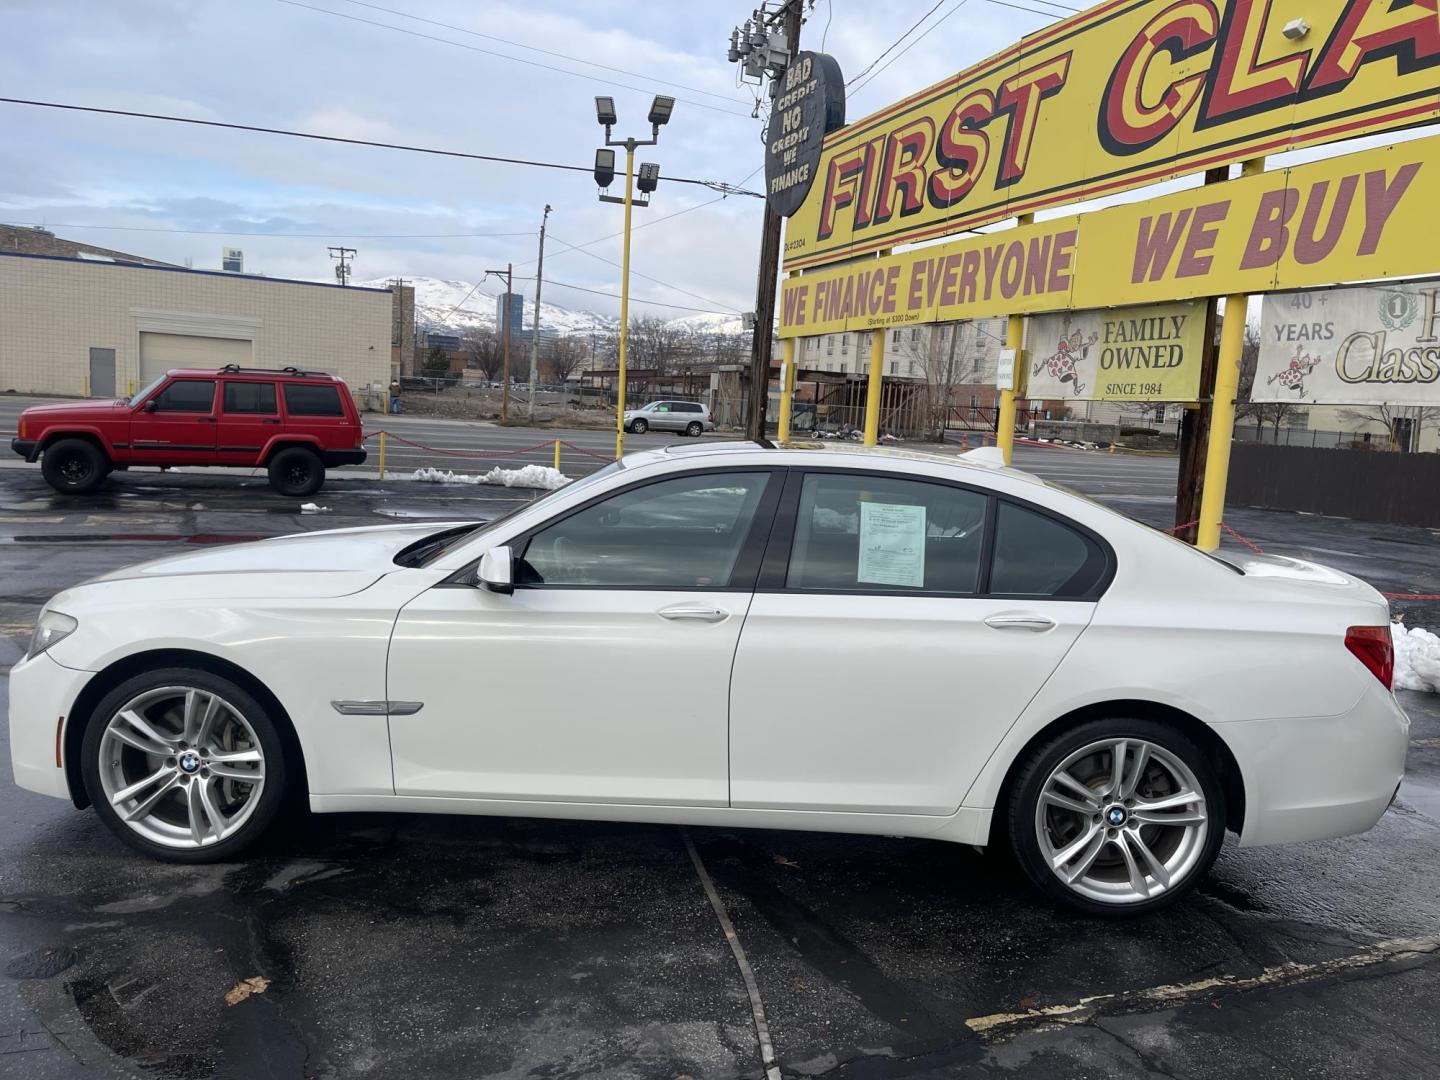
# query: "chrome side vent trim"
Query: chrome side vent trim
377,708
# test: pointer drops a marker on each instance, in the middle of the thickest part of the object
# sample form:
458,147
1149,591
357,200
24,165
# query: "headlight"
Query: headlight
51,628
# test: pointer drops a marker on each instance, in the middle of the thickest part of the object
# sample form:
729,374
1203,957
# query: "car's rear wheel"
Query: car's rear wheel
694,428
296,471
183,765
1117,817
74,466
639,427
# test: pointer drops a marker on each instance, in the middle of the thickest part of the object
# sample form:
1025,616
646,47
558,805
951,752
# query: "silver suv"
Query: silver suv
686,417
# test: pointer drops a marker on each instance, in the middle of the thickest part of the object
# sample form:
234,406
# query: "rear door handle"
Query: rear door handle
1034,623
206,419
694,613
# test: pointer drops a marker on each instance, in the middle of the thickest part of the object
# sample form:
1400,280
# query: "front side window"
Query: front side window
1036,555
308,399
250,397
880,534
187,395
685,533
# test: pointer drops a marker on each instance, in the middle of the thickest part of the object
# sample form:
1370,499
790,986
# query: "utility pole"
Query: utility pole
769,274
342,271
535,319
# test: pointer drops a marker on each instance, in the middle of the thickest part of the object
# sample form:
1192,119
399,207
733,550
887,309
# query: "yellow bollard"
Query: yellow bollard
382,455
84,385
557,455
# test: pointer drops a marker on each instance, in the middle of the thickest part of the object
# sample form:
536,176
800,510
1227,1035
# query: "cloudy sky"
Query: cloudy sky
275,63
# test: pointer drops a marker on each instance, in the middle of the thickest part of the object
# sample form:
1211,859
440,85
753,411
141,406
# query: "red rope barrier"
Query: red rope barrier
465,453
587,453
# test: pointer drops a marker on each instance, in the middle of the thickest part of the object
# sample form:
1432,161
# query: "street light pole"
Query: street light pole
504,321
535,318
648,178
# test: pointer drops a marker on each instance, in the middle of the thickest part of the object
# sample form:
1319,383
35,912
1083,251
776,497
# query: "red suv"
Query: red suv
293,423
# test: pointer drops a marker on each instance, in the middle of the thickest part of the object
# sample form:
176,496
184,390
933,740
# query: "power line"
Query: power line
543,52
637,273
1018,7
892,45
281,235
714,185
492,52
910,46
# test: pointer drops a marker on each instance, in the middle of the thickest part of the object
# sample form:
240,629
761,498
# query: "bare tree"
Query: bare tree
562,357
658,346
1392,417
481,349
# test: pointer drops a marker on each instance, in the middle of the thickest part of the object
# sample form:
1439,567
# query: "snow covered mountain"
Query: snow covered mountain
457,306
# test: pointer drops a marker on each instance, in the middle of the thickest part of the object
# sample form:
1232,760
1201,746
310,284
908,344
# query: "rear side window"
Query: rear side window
882,534
302,399
1036,555
249,397
187,395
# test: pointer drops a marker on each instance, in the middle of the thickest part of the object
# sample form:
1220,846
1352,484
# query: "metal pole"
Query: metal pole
1222,411
535,318
787,392
624,304
1014,338
873,387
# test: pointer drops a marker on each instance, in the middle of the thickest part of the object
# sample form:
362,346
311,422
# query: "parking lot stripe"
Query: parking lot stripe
1180,994
762,1028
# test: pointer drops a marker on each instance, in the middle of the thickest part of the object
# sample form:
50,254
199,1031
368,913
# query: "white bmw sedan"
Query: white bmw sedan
852,641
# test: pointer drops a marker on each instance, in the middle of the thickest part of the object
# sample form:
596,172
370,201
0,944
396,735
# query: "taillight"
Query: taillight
1375,648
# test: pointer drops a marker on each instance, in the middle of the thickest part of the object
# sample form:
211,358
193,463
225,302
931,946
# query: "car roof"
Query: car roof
842,456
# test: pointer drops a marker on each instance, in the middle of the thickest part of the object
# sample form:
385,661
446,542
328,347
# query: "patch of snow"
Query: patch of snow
528,476
313,508
1417,658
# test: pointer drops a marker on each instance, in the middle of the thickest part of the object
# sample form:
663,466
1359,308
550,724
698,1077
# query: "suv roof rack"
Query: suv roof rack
236,369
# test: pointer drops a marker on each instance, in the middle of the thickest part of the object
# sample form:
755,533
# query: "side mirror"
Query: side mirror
149,406
497,570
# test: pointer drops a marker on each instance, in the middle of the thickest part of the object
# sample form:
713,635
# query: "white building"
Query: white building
94,326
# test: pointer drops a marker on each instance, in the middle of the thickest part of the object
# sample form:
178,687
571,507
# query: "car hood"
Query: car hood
334,562
84,408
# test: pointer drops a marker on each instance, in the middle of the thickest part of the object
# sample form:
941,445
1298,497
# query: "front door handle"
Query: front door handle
694,612
1034,623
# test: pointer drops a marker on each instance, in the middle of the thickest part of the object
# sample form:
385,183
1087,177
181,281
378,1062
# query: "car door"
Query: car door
176,425
900,627
605,676
660,418
249,418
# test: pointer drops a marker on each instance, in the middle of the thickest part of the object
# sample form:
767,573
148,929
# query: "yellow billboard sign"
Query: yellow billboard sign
1150,353
1356,217
1128,93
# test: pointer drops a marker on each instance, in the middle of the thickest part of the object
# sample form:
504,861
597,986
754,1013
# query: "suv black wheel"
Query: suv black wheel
694,428
1116,817
639,427
74,466
296,471
183,765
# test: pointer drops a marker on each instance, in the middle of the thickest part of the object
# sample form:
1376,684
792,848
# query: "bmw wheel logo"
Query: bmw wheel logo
1116,816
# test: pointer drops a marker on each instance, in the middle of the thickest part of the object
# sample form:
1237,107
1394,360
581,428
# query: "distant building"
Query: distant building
33,240
515,303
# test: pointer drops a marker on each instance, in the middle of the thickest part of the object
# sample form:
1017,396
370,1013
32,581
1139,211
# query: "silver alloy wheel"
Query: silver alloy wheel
181,766
1120,821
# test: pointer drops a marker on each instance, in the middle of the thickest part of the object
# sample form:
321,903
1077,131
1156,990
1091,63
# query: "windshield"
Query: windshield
141,395
438,545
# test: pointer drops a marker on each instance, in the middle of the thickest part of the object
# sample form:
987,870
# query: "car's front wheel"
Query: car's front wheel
639,427
296,471
1117,817
74,466
183,765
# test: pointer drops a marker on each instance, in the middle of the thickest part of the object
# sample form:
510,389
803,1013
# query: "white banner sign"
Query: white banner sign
1356,346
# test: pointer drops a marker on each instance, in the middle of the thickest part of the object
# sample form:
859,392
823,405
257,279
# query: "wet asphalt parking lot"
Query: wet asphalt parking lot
469,947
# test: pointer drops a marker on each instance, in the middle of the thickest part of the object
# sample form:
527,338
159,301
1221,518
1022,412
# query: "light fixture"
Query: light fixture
605,110
1296,29
660,110
604,167
648,177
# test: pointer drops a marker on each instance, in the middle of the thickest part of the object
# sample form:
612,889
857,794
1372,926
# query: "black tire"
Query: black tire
271,798
694,429
1035,769
296,471
639,427
74,466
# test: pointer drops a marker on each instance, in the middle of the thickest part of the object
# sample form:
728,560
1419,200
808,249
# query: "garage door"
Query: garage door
161,352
